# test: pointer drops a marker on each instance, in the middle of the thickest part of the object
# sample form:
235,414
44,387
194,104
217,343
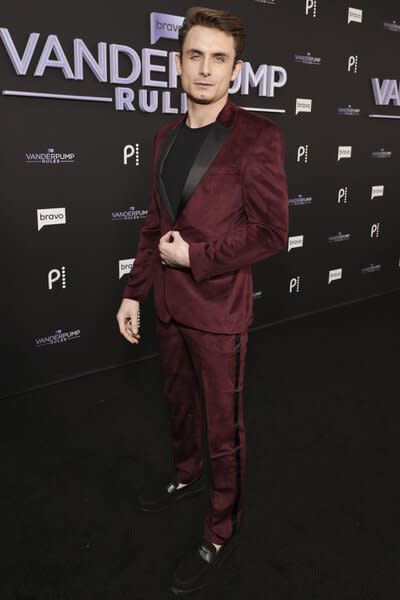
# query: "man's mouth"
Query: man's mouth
203,84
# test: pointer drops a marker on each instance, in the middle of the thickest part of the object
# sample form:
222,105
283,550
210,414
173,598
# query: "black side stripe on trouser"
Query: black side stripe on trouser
237,439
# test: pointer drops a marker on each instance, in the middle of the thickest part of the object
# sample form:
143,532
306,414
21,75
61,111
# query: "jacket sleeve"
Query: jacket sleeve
265,229
140,278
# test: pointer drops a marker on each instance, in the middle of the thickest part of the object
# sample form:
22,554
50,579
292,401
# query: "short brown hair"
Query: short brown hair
217,19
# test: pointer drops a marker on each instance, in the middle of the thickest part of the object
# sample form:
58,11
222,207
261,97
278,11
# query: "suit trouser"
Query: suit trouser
200,365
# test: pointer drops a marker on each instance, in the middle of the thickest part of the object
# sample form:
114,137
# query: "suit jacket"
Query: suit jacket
233,213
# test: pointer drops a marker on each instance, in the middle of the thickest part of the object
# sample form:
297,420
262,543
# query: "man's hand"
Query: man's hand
127,318
174,253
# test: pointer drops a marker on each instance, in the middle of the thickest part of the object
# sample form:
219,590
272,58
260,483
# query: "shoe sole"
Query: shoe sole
187,494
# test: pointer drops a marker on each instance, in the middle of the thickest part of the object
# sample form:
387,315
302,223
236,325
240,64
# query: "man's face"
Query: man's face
207,57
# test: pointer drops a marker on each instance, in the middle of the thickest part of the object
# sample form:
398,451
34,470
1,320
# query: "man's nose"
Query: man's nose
205,66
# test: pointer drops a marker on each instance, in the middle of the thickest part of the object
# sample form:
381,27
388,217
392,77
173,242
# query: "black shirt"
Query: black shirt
179,160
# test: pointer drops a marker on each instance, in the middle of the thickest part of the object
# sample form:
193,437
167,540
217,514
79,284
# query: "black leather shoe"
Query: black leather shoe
155,498
199,567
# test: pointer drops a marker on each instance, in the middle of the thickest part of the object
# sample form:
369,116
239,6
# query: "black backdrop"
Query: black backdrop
62,166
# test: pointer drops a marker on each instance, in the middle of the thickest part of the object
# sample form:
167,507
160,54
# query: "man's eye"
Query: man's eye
220,58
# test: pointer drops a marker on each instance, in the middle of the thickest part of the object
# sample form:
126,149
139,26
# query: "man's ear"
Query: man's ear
236,69
178,63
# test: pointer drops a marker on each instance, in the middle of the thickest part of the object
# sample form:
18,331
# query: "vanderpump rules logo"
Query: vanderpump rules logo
136,90
49,157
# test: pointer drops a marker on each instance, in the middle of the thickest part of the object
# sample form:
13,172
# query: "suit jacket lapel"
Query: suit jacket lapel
162,155
210,147
212,143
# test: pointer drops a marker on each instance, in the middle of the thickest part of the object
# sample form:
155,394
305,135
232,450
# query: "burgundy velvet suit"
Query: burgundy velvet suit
234,212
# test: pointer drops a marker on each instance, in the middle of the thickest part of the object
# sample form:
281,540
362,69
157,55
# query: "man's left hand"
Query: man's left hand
174,253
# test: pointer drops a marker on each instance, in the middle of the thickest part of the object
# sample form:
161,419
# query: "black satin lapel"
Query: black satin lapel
208,151
162,155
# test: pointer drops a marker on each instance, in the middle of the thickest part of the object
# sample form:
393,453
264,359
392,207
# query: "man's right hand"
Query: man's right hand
127,318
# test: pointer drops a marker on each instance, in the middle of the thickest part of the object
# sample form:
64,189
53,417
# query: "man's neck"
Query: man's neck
200,115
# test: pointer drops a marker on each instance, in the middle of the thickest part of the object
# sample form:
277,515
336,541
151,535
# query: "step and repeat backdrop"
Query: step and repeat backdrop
83,93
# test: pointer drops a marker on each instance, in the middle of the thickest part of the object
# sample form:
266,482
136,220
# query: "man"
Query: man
218,204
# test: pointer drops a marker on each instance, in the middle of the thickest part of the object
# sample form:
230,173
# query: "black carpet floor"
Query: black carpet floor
321,410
